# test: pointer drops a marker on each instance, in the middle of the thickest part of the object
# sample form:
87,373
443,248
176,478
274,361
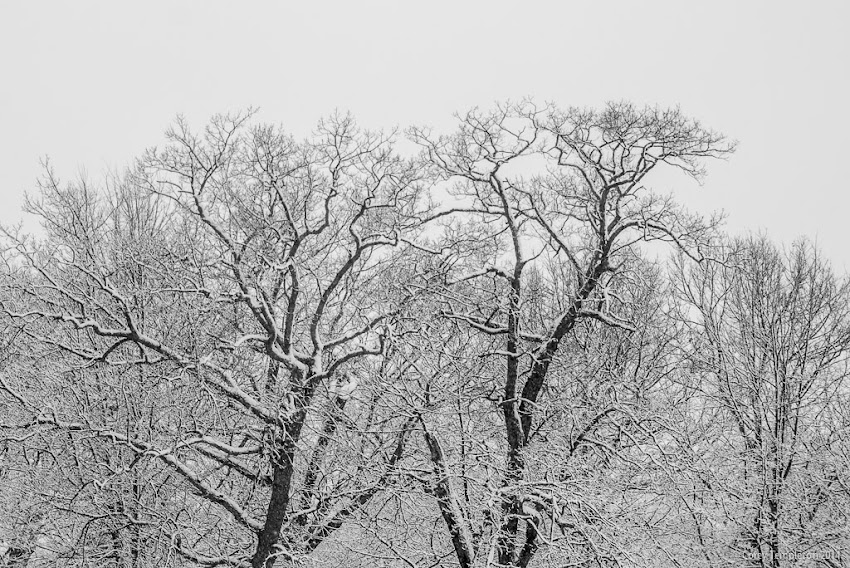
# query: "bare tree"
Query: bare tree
224,304
582,219
246,343
769,343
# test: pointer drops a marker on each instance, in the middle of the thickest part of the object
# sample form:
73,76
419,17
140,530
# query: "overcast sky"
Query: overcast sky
92,84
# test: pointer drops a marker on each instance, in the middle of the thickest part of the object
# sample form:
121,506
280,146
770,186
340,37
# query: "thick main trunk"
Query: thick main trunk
311,478
268,547
514,429
773,536
268,538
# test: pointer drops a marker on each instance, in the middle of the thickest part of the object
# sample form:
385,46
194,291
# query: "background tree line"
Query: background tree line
254,351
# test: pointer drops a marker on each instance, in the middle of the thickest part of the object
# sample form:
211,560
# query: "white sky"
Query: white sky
91,84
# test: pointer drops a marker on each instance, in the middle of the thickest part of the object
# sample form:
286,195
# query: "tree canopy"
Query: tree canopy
252,351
